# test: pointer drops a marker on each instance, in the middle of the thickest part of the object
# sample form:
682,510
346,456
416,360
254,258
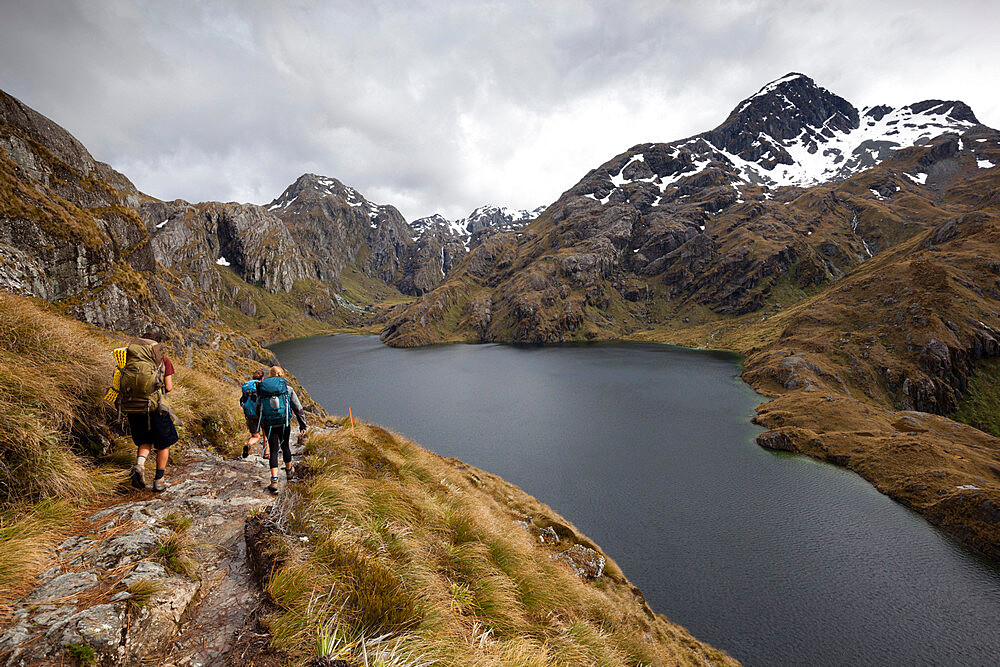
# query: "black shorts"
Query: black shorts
253,425
156,429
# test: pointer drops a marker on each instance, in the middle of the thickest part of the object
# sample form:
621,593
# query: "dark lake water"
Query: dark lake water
649,450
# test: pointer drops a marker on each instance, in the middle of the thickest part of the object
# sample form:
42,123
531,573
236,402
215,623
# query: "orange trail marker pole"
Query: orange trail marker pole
351,412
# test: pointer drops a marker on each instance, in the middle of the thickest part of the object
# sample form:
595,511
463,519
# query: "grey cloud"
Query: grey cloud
443,106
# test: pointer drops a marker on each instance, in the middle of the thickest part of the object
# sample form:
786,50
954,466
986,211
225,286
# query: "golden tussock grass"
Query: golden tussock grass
424,549
52,376
54,424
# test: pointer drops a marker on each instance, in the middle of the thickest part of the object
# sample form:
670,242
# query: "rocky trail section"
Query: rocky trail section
121,594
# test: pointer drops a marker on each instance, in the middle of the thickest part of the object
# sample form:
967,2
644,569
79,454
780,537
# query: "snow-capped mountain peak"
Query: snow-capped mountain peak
790,132
311,185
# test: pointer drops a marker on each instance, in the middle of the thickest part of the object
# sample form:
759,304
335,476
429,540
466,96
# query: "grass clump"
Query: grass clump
142,592
25,537
83,654
178,523
171,552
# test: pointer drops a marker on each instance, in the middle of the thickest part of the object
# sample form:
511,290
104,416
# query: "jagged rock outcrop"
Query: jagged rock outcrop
253,243
68,232
440,243
428,260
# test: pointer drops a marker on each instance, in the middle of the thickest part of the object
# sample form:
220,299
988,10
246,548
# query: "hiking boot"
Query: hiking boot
138,477
290,474
246,451
273,486
159,484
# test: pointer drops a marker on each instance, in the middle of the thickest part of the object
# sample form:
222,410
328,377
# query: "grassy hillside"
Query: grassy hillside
61,445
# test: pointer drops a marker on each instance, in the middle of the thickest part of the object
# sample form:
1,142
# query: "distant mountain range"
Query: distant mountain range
487,219
715,220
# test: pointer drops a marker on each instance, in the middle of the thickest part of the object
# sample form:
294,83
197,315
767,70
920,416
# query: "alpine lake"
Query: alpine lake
650,451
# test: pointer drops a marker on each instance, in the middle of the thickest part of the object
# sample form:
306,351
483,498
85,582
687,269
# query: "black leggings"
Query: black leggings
278,436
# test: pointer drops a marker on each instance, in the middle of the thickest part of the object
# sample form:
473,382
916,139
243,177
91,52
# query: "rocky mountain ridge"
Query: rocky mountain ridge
75,232
706,231
485,219
791,132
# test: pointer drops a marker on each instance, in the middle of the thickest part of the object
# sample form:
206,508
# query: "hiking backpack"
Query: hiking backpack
250,400
140,379
275,408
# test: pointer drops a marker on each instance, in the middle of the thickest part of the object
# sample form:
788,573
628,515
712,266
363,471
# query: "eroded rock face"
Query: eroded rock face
67,229
428,260
197,238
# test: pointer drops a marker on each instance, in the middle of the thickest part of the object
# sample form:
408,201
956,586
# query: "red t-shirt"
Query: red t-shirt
168,368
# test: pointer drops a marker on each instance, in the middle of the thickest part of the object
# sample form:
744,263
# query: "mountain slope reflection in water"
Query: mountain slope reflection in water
650,451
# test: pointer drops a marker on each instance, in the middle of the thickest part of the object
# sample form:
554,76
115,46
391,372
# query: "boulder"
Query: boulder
586,562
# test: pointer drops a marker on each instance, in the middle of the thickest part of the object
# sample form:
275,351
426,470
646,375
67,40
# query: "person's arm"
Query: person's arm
168,374
300,414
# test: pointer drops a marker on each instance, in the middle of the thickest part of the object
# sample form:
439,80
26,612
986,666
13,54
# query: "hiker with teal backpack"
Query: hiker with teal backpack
250,402
143,378
277,403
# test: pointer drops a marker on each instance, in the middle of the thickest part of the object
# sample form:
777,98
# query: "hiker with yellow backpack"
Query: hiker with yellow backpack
143,378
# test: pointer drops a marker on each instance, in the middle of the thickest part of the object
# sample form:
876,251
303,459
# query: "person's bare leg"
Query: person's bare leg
137,474
162,456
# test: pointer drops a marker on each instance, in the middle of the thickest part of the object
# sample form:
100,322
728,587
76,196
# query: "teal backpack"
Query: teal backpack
275,408
250,400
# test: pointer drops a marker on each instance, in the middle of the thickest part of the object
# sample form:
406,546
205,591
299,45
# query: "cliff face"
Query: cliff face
194,238
77,233
337,227
68,229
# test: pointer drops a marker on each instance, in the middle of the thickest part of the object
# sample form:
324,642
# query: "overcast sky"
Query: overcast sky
444,106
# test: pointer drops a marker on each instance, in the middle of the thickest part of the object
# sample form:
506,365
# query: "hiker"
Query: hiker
250,402
277,403
146,379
